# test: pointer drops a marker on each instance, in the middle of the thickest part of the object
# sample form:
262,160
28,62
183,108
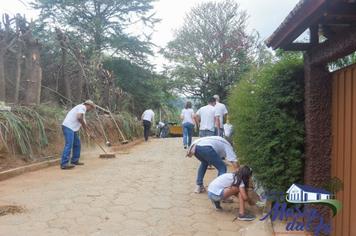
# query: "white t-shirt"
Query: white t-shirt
207,117
71,121
148,115
187,115
227,130
221,182
220,111
221,146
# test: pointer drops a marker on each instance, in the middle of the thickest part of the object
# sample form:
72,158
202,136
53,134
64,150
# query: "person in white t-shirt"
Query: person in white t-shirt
147,120
232,184
188,123
74,119
220,114
210,151
205,117
228,130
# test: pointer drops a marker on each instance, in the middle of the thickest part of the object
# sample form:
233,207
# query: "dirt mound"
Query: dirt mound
11,209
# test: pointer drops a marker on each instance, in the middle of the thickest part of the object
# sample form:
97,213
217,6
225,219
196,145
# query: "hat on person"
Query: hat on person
216,97
90,103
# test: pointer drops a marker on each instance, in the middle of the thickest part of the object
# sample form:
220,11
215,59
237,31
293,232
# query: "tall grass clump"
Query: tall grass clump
21,129
267,113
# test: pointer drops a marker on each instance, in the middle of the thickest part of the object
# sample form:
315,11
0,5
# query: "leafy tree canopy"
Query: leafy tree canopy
211,50
103,24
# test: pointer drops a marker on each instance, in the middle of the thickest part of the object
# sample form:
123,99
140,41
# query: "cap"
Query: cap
89,102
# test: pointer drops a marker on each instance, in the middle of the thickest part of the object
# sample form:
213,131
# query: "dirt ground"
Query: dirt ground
147,190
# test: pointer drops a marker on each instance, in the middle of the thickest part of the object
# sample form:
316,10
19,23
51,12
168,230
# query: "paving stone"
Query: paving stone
148,192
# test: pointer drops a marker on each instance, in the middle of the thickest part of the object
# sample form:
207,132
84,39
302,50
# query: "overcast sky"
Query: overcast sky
265,15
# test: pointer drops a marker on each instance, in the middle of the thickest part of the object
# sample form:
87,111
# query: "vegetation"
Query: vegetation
26,131
212,50
102,25
266,110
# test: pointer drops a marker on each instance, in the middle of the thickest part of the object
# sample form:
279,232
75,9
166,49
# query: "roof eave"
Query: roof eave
304,14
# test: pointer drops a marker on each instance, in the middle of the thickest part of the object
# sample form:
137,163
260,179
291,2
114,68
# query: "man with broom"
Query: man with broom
74,119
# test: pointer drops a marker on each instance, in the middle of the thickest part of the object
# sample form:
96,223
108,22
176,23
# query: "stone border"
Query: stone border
28,168
7,174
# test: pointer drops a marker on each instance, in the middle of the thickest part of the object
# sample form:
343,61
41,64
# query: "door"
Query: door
343,164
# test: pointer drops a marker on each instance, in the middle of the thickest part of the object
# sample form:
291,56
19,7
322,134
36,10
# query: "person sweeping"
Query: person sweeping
74,119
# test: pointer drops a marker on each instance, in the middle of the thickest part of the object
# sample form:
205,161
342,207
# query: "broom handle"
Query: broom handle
101,126
97,143
117,126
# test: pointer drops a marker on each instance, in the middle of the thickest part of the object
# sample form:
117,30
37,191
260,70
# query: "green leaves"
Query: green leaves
102,24
266,109
212,49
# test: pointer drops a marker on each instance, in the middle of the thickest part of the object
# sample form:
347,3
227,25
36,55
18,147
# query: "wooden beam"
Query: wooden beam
297,22
297,47
342,9
334,48
314,35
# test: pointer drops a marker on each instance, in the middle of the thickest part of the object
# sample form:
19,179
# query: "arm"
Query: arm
80,117
231,156
217,122
243,193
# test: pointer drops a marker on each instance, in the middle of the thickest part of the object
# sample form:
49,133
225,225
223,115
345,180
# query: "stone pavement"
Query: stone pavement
147,191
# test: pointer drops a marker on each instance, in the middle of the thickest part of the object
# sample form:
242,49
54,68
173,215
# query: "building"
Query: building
330,97
298,193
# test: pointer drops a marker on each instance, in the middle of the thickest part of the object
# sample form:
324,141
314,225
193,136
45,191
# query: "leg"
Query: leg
241,205
190,134
146,129
76,148
201,172
185,134
214,159
68,139
201,153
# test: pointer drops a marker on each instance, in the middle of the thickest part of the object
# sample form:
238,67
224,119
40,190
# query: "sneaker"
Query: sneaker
67,167
78,163
199,189
217,205
246,217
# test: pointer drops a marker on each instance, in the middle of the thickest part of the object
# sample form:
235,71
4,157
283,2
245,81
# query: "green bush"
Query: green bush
267,113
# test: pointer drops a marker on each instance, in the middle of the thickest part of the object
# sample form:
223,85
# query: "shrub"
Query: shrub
267,113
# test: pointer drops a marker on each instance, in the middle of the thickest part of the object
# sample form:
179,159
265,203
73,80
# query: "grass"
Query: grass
25,130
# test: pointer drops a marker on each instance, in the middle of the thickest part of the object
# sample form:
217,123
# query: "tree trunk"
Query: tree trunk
18,75
64,75
2,79
34,76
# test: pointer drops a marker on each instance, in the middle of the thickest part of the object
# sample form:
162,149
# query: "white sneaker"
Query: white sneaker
199,189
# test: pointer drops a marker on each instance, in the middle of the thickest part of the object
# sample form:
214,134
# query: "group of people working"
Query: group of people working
210,149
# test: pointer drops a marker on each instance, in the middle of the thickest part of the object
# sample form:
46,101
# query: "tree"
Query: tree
102,24
211,50
147,89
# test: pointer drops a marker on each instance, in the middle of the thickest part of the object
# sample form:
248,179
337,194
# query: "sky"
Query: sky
264,15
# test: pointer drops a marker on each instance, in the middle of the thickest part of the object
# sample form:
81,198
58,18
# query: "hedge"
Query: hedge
267,113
